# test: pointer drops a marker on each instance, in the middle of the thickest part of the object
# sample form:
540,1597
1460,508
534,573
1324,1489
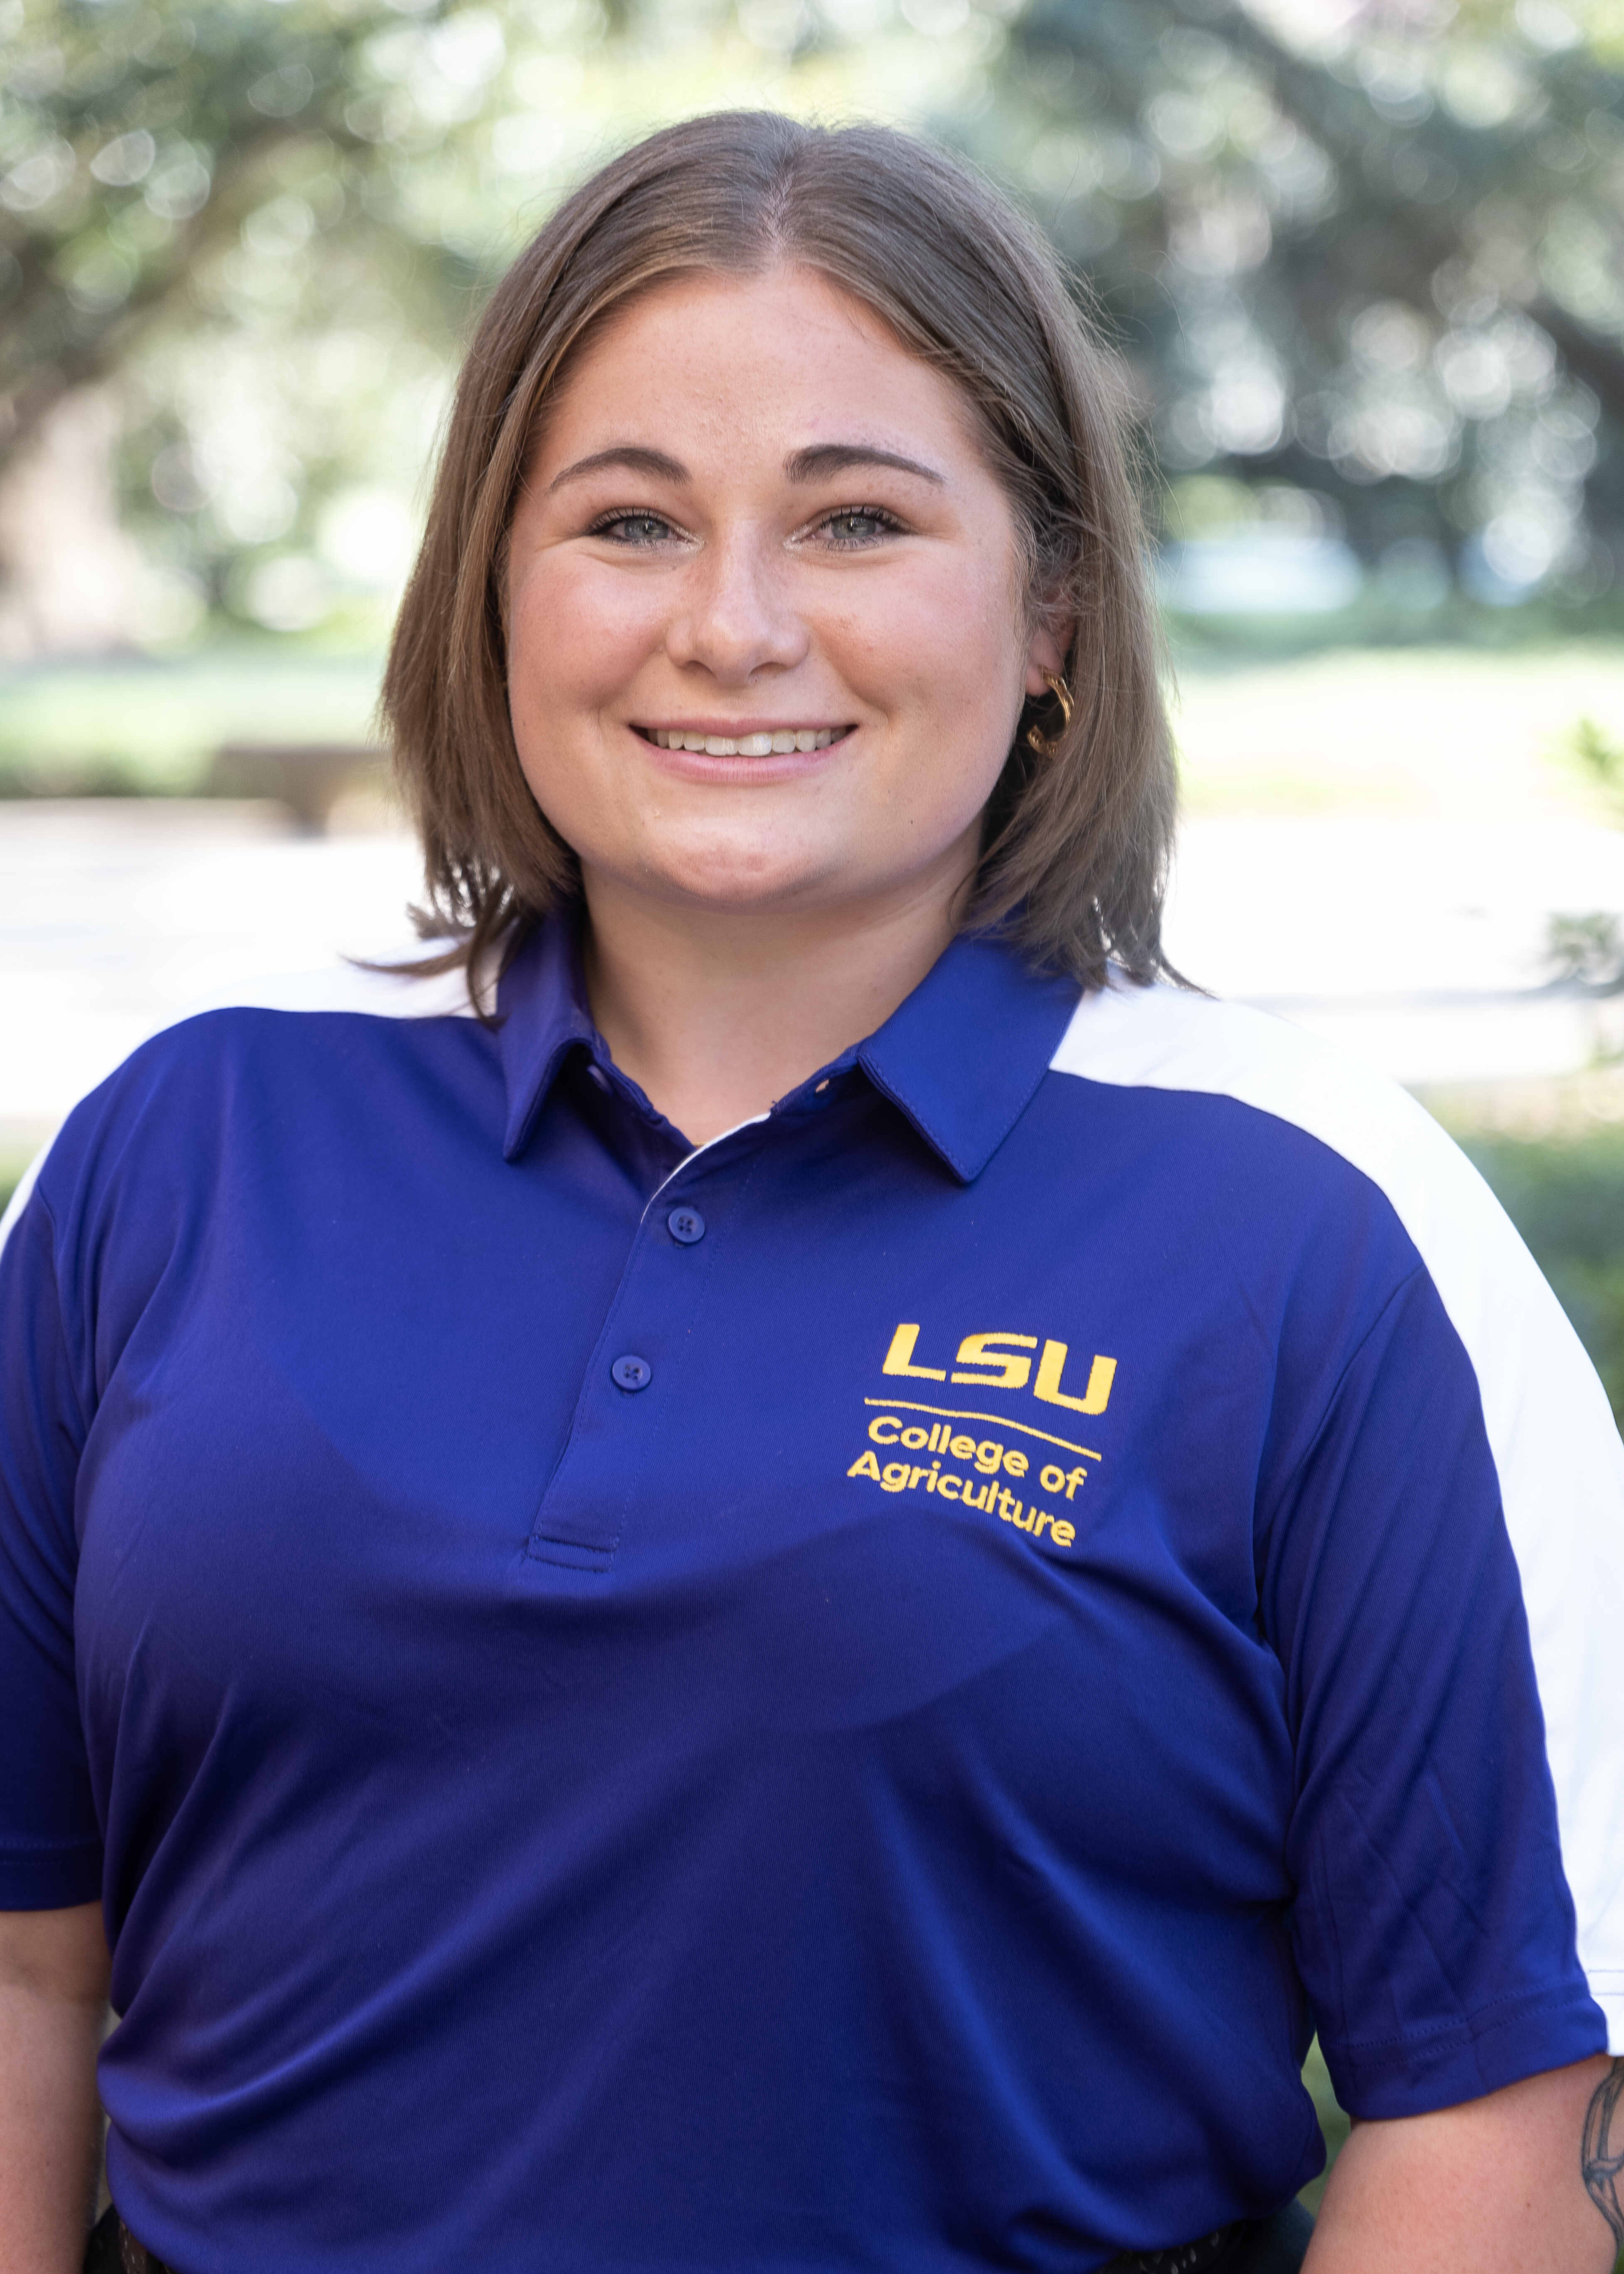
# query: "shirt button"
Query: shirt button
686,1224
631,1372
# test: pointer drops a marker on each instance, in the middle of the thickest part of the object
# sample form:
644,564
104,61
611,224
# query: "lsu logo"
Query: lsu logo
998,1361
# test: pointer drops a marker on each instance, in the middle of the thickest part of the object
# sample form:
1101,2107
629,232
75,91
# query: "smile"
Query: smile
779,742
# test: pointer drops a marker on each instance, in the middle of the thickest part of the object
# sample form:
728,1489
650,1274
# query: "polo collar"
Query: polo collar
963,1055
541,1003
960,1059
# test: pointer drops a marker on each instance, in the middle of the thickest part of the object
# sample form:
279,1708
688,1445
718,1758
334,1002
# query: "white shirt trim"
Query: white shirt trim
1549,1426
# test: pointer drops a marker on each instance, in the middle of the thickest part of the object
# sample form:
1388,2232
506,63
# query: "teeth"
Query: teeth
747,746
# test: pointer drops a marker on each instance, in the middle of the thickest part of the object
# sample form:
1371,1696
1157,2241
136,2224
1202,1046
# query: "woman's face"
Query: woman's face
767,640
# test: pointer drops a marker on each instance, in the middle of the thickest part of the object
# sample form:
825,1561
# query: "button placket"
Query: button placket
616,1422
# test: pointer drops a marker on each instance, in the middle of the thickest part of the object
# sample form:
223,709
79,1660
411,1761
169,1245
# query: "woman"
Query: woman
775,1570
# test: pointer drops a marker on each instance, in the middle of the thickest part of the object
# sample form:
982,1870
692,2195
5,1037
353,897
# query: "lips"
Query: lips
763,742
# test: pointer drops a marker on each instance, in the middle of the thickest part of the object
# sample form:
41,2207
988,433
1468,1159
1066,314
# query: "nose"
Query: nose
735,617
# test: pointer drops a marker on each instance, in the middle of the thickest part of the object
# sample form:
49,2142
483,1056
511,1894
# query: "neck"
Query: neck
715,1012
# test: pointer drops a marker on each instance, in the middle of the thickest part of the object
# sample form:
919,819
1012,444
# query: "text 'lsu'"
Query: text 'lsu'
998,1361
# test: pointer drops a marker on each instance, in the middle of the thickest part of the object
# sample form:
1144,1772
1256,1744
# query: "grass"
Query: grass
1311,726
1410,732
1333,2121
1384,622
138,727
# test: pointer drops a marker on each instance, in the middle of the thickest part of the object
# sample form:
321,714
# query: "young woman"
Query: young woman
776,1569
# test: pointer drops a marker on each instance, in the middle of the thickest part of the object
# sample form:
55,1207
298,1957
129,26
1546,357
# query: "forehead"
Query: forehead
726,368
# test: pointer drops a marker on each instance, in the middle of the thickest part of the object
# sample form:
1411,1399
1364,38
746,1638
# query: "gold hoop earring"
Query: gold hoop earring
1046,745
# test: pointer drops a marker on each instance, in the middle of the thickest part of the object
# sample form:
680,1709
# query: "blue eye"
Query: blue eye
632,528
859,524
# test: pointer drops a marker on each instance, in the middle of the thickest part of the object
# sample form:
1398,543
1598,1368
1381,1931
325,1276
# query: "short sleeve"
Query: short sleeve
50,1847
1435,1924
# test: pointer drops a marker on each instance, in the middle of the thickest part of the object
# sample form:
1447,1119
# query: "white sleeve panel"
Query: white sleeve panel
1557,1451
390,994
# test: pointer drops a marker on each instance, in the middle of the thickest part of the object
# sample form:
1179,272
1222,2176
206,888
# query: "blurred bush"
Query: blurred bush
1566,1198
150,726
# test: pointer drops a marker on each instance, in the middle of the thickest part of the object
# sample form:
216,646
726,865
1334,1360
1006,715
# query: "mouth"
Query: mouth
761,742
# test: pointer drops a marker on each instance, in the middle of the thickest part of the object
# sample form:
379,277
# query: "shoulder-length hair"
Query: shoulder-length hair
1076,836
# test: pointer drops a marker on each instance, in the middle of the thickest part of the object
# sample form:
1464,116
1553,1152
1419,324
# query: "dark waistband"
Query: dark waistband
1212,2254
1250,2246
115,2250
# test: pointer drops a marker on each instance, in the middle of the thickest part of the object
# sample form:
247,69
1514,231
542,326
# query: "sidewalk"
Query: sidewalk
119,916
1415,942
1418,943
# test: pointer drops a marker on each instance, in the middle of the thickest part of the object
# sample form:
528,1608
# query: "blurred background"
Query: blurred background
1363,259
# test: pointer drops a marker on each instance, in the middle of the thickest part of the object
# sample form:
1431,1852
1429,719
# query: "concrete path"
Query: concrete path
1416,941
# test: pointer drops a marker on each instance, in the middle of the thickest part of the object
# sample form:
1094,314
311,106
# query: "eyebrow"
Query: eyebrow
812,464
633,456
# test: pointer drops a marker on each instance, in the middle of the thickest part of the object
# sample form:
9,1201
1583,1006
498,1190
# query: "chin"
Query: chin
742,876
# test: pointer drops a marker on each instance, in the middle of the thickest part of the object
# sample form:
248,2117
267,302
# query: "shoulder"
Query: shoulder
1537,1387
1172,1040
391,989
1276,1080
175,1101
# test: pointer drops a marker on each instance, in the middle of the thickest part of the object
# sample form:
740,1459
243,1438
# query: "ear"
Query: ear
1046,655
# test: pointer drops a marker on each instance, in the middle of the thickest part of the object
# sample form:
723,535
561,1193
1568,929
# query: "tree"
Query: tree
133,143
262,226
192,201
1366,257
1372,252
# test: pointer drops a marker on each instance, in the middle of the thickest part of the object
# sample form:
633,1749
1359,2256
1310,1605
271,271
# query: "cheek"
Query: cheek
574,639
946,638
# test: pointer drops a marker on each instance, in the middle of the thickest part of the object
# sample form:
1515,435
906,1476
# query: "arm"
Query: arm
1525,2180
53,1999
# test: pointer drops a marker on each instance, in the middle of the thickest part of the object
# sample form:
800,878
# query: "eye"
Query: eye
632,528
858,525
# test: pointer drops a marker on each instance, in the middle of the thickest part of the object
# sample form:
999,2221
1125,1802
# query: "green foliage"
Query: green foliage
1368,267
1566,1198
1601,759
138,144
266,225
1372,257
1333,2122
1587,950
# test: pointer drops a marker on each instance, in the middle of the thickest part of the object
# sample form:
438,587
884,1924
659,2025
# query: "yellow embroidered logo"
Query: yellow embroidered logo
991,1360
